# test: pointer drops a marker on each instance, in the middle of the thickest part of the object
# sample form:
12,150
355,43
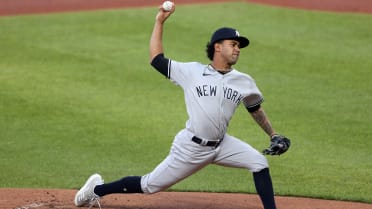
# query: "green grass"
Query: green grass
78,96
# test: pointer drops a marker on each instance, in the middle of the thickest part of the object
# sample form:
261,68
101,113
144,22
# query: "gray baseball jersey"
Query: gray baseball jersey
211,99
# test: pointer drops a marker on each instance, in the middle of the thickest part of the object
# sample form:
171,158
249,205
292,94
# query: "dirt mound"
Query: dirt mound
56,198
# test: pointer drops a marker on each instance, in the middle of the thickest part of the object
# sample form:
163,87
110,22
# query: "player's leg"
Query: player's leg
233,152
159,179
179,164
128,184
185,158
264,188
163,176
236,153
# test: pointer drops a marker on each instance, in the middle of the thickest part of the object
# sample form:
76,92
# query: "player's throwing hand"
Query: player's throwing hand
163,14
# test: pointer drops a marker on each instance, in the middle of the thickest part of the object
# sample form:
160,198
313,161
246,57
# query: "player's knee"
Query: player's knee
259,163
149,187
152,190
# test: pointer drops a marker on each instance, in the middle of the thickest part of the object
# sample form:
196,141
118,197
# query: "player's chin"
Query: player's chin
233,61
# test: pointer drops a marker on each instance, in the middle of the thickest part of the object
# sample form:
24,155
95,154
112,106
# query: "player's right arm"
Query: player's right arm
157,58
156,40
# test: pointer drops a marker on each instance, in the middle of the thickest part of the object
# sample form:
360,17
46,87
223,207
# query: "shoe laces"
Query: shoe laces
94,199
92,202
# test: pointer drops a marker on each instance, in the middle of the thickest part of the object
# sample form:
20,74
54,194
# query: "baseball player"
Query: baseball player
212,94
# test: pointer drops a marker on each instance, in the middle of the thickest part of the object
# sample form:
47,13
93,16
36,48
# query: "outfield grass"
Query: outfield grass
78,96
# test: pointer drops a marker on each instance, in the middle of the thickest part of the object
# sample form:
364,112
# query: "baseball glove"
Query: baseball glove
279,145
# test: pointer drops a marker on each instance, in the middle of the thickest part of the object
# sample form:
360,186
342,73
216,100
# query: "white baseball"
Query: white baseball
167,6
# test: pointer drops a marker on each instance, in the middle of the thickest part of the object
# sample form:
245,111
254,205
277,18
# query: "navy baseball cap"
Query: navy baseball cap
229,34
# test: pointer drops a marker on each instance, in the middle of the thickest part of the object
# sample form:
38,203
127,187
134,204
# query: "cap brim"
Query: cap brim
243,41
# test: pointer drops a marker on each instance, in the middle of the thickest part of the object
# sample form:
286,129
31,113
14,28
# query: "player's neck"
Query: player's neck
221,68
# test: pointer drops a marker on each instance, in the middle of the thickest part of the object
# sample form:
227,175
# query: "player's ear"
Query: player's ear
217,46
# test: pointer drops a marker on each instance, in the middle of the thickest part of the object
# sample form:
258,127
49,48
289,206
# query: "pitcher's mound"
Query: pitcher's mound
56,198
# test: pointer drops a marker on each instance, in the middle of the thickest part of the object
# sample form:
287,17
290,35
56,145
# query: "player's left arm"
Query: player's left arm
253,104
262,120
278,144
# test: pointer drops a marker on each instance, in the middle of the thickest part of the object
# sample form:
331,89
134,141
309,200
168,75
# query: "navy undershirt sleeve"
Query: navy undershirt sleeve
162,64
254,108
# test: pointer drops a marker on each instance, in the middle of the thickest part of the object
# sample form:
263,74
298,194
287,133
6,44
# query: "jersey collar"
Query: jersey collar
210,69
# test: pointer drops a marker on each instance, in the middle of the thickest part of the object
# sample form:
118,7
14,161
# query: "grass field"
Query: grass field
78,96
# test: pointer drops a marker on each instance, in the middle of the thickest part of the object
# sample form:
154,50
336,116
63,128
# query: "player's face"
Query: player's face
230,50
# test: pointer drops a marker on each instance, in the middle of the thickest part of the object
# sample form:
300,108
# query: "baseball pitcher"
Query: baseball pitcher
212,93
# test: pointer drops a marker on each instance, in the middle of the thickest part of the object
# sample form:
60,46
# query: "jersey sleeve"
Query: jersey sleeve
254,98
253,102
177,72
181,72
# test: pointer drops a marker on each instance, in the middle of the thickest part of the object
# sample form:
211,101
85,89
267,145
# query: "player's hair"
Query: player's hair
210,49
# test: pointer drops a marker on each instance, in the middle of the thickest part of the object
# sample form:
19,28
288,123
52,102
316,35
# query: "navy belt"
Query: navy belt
206,143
